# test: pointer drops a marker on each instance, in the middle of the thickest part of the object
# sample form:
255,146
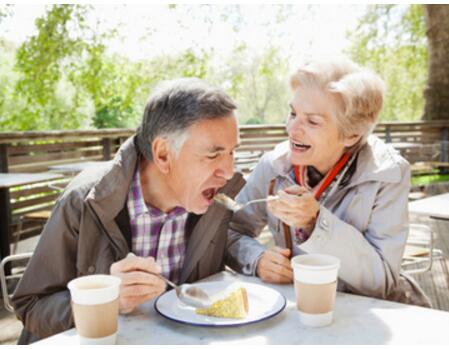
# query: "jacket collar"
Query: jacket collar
111,191
108,196
377,161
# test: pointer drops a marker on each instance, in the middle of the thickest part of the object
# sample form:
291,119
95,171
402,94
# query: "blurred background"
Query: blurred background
93,66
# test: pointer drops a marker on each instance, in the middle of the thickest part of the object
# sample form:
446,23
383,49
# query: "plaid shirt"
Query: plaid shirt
155,233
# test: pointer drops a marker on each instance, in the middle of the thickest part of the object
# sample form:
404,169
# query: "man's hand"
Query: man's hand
274,266
296,207
138,286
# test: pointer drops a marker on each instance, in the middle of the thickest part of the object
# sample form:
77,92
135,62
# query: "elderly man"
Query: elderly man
155,199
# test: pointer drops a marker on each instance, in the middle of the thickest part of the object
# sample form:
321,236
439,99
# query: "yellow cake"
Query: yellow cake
234,305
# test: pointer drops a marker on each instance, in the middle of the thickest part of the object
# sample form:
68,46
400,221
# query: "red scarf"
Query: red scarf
300,175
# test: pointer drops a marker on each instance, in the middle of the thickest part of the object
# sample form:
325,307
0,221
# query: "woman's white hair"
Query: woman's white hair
358,93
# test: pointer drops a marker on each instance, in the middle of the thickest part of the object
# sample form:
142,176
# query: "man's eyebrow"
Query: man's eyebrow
216,148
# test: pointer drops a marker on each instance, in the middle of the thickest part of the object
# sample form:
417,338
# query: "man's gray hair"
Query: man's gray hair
175,106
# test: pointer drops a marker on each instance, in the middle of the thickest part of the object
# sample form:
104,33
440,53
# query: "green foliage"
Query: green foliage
64,77
43,97
390,39
40,58
429,179
258,83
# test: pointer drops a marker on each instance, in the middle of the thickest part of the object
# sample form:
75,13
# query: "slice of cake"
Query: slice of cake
231,304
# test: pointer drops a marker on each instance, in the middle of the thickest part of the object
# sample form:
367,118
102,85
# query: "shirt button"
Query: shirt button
91,269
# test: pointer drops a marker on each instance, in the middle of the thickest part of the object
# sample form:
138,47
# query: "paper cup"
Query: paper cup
95,302
315,287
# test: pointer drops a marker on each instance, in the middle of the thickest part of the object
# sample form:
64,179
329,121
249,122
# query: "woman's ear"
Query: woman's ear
351,140
160,149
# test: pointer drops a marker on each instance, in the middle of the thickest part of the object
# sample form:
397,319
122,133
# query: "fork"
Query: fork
232,205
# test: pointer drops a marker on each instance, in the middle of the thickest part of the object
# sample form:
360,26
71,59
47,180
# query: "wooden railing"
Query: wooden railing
36,151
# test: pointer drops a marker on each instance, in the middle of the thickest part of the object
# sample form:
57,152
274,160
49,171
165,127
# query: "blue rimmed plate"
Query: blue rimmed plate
264,303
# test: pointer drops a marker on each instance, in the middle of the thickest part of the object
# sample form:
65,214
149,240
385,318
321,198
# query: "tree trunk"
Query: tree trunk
436,92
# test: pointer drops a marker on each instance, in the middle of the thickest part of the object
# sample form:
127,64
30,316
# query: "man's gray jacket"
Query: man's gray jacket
89,230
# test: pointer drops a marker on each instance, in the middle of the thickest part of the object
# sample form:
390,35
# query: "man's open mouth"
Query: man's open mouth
299,146
209,193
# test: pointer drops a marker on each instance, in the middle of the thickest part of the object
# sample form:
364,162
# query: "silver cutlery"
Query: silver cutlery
234,206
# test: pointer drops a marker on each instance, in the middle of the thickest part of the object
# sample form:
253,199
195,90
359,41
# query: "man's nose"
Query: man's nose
226,169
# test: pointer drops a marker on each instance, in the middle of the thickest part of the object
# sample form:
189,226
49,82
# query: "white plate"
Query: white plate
263,301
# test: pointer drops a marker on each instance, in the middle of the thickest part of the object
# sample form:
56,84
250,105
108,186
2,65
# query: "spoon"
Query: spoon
234,206
188,294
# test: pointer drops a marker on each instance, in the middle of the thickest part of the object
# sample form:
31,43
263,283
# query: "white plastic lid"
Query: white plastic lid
94,289
315,268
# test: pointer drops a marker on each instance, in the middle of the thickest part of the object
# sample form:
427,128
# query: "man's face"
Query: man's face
205,163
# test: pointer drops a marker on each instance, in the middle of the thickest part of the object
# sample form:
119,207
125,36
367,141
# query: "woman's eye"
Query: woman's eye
292,114
212,156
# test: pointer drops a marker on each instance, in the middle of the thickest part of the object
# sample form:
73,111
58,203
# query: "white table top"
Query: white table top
8,180
434,206
357,320
74,167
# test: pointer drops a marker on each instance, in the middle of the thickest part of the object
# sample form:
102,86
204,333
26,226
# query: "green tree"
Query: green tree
41,62
257,82
67,78
437,89
110,83
390,39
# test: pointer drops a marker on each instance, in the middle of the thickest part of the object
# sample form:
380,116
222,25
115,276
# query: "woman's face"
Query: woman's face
312,130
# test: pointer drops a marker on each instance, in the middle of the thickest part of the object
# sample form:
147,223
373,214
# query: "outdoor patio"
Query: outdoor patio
75,80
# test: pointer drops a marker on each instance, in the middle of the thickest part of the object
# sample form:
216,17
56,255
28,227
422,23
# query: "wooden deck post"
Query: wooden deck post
106,148
444,155
4,158
387,134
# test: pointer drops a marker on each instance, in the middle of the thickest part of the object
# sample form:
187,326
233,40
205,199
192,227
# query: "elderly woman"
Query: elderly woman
339,190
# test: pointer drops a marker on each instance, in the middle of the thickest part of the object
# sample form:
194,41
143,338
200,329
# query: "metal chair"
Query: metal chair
4,279
36,216
419,251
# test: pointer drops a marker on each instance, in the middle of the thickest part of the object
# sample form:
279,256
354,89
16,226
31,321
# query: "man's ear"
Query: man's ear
160,149
351,140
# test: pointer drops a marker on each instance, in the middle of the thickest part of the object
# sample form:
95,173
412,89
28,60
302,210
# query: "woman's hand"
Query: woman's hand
274,266
296,207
